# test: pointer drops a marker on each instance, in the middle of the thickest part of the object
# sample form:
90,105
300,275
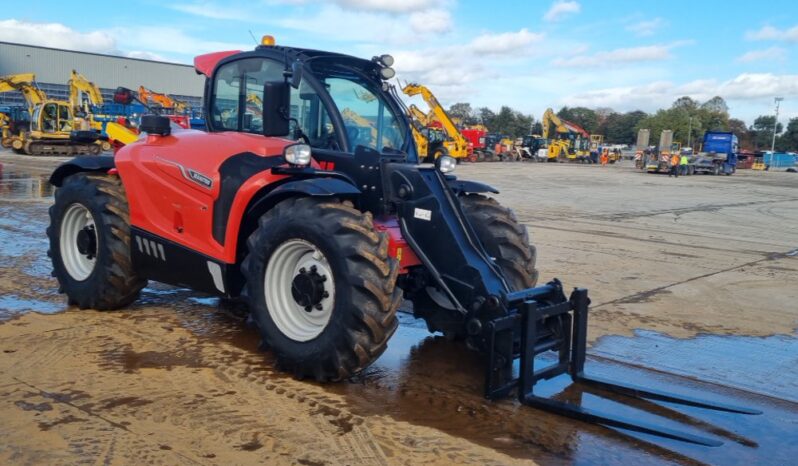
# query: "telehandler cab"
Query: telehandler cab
324,226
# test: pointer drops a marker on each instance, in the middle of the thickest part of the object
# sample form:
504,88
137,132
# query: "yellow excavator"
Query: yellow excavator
567,141
52,127
454,144
82,108
425,135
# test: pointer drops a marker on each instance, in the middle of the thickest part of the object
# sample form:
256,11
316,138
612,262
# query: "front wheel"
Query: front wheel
321,287
89,236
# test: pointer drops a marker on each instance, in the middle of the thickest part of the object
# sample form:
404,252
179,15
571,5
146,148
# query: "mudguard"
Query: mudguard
316,187
100,163
465,187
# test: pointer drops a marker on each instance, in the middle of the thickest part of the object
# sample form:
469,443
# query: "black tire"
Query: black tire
504,239
366,297
113,283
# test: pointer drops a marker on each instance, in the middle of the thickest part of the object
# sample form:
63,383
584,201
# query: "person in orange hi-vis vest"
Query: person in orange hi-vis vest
674,165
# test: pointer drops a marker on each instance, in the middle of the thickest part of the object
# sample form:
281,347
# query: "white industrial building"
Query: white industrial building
54,66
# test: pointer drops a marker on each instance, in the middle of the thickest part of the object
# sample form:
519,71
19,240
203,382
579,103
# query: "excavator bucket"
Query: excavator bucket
528,333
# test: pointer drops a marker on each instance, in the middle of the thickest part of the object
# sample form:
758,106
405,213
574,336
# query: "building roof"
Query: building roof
53,65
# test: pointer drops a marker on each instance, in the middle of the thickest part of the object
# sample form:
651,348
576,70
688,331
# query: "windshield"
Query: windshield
369,119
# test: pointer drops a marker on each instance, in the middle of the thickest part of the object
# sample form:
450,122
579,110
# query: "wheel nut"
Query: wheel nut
313,269
318,307
308,308
325,295
303,270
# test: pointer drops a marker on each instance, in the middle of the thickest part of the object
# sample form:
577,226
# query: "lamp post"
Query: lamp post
690,134
775,125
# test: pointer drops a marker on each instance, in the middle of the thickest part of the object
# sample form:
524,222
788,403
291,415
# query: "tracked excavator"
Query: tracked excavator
84,96
52,127
325,236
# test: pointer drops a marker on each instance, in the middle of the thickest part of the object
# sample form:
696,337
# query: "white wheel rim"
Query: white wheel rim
285,264
78,265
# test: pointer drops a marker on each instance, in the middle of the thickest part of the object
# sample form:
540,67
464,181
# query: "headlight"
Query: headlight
297,154
386,60
446,164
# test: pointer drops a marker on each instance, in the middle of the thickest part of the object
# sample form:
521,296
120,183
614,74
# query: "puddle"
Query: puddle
20,185
764,365
426,380
11,305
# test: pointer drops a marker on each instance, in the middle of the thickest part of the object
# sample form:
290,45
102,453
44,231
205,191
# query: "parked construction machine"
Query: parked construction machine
567,141
323,232
52,129
84,97
455,145
170,107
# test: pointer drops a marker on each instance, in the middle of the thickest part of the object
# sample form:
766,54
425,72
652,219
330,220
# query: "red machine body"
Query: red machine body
169,203
475,137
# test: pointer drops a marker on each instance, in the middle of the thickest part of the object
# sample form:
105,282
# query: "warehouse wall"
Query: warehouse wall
53,67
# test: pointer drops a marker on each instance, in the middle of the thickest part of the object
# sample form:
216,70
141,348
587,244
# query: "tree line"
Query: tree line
687,118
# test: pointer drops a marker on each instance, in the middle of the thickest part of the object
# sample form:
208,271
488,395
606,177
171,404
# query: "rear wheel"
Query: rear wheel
321,287
89,237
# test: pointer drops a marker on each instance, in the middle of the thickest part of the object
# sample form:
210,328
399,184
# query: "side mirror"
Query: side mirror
296,74
276,99
123,96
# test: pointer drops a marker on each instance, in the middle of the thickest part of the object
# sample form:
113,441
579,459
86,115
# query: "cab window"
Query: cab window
238,94
310,118
238,102
367,120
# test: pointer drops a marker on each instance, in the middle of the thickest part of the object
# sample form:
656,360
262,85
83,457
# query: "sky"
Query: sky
529,55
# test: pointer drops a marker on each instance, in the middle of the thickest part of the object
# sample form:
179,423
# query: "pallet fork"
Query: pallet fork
536,306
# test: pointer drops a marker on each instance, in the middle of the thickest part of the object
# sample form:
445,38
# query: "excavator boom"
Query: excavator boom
79,84
26,84
459,146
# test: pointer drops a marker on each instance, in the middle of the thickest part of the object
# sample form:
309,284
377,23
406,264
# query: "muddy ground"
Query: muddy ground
690,278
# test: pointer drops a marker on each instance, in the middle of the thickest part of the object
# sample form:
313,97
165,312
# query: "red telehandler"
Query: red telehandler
323,226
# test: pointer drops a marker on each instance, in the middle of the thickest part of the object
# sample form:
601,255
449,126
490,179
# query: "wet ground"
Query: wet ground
691,279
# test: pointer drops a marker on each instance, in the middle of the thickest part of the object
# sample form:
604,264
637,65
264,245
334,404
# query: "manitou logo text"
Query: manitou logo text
198,177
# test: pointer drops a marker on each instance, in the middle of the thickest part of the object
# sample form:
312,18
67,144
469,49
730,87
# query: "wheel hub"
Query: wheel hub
87,242
307,288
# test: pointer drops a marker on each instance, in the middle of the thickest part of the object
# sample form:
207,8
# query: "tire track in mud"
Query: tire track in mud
646,295
143,378
617,217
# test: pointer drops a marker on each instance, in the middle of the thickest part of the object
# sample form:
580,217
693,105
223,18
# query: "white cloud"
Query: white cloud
561,9
431,21
618,56
208,9
388,6
775,34
646,28
56,35
504,43
658,94
170,40
769,54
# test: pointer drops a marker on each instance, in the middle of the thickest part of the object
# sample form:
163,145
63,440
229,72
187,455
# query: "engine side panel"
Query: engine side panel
178,185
